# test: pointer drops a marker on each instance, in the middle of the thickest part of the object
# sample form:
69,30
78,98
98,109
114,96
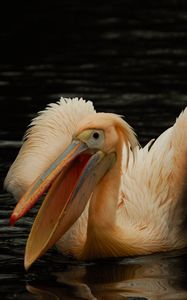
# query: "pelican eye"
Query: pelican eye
96,135
94,138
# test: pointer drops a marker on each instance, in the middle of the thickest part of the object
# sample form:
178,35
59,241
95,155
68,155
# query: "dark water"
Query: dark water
128,57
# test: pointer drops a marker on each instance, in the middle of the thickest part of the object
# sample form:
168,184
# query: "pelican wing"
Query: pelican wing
154,188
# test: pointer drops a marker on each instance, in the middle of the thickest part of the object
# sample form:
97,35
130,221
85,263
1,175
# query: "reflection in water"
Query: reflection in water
151,277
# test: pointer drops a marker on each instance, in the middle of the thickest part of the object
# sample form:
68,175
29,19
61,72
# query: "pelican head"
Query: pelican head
71,179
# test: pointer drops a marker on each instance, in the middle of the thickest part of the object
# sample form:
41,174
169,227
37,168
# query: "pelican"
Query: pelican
106,196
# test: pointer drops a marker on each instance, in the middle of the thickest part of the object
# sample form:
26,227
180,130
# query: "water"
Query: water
127,57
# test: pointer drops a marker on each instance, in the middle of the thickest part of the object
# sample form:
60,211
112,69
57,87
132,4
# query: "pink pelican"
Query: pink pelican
106,196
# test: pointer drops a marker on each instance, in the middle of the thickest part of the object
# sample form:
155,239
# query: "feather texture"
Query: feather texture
154,187
150,182
48,136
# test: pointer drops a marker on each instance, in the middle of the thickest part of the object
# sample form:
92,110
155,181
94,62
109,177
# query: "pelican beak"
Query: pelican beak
71,179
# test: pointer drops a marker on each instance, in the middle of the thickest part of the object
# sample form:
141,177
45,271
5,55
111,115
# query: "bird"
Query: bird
104,194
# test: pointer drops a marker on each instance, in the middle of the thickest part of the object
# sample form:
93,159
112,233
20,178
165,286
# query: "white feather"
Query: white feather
49,133
154,187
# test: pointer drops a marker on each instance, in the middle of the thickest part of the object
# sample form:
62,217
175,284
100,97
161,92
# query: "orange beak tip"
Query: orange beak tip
27,264
26,267
13,219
